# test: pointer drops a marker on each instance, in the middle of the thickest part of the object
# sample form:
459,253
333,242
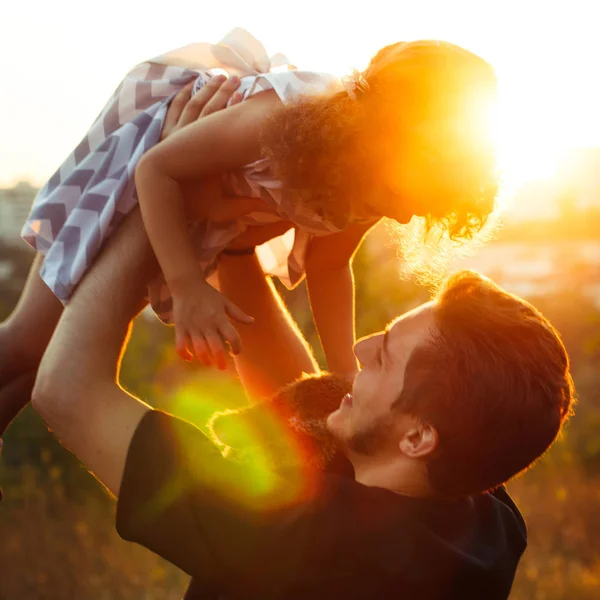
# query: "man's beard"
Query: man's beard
371,440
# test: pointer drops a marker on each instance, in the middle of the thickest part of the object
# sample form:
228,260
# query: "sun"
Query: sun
533,138
524,151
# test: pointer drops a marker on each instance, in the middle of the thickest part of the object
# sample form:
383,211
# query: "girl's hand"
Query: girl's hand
212,97
185,109
200,313
201,317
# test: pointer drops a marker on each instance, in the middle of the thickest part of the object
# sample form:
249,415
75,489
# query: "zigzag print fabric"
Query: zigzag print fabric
83,202
93,190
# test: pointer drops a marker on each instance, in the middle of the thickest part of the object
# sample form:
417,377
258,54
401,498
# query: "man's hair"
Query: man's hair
493,380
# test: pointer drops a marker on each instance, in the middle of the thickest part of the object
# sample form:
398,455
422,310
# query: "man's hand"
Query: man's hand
213,96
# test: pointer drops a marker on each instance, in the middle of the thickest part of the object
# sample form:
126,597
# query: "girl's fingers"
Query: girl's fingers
181,344
202,351
176,109
221,96
211,97
237,314
231,336
194,107
236,98
217,350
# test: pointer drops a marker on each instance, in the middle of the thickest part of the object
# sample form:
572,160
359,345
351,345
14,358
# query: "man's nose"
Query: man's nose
360,351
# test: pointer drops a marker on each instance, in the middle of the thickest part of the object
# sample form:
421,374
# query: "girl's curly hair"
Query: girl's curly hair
423,103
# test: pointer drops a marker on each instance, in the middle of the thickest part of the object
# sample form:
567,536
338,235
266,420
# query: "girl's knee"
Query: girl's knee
15,358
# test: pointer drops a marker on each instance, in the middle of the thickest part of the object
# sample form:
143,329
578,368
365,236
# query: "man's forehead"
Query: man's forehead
416,323
415,316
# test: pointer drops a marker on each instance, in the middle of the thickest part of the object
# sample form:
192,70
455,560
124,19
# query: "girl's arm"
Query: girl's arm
330,285
219,142
222,141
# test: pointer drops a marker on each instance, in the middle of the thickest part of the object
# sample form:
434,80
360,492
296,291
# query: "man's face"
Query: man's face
364,422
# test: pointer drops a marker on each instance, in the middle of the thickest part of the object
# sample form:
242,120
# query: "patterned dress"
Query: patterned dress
93,190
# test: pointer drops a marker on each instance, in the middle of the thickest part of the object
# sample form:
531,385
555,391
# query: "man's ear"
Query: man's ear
419,441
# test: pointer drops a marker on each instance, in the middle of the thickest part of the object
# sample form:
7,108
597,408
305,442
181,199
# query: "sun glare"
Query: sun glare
524,152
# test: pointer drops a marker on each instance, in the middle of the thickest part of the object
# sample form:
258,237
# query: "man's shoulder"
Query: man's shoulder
509,513
470,546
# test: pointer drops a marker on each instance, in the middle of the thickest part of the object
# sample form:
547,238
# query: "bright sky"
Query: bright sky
61,60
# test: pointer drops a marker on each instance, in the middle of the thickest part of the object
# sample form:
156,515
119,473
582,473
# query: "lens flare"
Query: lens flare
256,445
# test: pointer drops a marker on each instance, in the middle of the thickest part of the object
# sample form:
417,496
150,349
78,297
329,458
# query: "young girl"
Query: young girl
302,153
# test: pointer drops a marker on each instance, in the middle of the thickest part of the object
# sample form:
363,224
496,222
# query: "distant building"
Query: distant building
15,204
545,268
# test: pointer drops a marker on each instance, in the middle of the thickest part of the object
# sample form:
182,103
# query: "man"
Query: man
453,399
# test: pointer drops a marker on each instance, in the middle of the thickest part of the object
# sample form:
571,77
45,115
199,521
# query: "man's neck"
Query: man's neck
399,476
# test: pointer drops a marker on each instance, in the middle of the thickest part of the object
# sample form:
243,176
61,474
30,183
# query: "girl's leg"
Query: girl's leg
23,340
274,352
14,396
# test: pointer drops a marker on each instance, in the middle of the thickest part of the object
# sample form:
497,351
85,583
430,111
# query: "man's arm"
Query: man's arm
76,391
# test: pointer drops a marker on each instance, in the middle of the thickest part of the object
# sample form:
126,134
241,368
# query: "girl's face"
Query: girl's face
427,139
431,171
402,190
387,202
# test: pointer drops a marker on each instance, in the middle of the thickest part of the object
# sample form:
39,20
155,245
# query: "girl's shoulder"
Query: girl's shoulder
290,85
239,53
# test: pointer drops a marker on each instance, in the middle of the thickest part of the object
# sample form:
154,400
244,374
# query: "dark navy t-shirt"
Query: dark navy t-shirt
307,534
